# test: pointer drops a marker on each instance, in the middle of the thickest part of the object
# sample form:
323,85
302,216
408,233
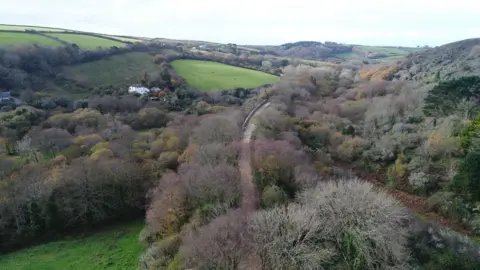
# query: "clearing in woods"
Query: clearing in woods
116,248
210,76
86,42
15,39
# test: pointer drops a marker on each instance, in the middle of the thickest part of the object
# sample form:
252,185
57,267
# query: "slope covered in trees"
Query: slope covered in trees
445,62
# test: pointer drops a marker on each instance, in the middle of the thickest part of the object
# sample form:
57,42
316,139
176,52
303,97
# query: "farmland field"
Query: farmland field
208,76
15,39
118,71
86,42
124,38
114,248
24,27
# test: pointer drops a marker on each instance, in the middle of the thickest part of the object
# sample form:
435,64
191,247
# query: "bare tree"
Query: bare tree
345,224
210,183
218,245
216,129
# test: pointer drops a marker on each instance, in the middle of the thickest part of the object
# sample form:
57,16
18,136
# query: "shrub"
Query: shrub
273,195
218,245
210,184
350,149
216,129
166,211
331,226
449,205
467,180
444,97
418,181
160,253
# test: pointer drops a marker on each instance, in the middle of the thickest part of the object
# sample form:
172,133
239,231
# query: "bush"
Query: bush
332,226
159,254
449,205
218,245
467,180
350,149
444,97
418,181
272,196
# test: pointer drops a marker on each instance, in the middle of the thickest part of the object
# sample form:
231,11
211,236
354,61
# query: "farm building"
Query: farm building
138,89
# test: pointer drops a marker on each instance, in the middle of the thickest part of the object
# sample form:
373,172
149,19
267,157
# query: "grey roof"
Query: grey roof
5,94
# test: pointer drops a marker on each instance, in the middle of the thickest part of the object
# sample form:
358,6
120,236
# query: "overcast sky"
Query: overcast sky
406,23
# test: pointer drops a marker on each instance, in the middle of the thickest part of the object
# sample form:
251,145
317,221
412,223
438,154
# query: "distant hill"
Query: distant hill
332,50
15,35
445,62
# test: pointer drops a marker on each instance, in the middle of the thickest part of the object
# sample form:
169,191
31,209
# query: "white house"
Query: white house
138,89
5,96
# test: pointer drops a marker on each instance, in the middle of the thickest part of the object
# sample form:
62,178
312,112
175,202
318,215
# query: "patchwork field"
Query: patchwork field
390,53
87,42
209,76
25,27
118,71
15,39
116,248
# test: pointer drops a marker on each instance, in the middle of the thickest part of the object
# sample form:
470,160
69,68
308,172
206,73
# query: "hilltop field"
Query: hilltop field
53,37
209,76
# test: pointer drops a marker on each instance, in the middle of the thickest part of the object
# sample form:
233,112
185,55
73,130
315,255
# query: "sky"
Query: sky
260,22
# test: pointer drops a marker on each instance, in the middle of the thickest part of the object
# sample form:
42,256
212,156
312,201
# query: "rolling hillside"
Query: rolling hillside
8,39
451,60
16,35
208,76
87,42
118,71
322,51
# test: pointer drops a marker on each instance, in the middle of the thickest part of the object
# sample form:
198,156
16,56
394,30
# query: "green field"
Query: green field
15,39
24,27
124,38
118,71
87,42
208,76
116,248
391,53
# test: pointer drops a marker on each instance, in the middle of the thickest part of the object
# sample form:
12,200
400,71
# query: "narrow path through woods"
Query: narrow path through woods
250,197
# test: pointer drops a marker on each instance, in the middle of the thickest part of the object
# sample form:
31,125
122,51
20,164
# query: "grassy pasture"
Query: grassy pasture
25,27
15,39
118,71
124,38
116,248
209,76
86,42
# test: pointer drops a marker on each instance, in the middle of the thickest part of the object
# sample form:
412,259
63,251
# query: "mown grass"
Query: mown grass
116,248
118,71
209,76
24,27
14,39
87,42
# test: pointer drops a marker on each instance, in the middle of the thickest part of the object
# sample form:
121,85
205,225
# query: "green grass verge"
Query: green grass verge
25,27
14,39
209,76
118,71
116,248
87,42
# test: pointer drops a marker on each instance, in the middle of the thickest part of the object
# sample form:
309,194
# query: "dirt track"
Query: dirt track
249,191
